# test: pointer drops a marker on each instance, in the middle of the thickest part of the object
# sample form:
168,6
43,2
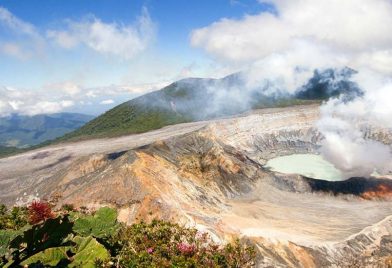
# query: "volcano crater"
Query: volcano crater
213,176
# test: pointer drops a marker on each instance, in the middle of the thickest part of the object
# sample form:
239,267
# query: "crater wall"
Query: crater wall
210,175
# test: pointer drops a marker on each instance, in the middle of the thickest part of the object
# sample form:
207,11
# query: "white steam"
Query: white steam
282,50
344,126
288,70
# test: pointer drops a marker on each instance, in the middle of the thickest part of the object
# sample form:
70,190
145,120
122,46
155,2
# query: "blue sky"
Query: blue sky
90,55
36,60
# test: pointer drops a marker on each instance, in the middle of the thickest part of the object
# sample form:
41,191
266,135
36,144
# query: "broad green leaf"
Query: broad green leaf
6,236
50,256
102,224
88,250
52,233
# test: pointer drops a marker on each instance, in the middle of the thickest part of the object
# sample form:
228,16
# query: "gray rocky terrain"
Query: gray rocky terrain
210,175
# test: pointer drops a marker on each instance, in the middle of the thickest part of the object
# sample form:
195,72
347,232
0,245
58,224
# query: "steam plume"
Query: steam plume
345,126
283,49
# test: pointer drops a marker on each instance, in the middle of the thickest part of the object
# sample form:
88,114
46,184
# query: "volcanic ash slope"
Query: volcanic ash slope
211,176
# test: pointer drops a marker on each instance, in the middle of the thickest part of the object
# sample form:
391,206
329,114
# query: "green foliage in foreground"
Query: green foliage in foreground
165,244
101,225
13,219
76,239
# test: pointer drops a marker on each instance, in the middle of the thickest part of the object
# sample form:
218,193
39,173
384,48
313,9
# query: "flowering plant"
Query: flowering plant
39,211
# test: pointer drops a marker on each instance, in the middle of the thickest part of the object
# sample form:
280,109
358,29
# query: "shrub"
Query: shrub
80,240
165,244
3,210
53,232
67,208
13,219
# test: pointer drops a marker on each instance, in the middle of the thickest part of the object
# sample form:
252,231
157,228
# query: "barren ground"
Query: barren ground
210,175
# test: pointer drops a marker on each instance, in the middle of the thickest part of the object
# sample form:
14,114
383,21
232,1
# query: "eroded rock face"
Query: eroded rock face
212,177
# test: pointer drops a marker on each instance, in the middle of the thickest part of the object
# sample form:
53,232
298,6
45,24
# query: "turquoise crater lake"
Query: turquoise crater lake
309,165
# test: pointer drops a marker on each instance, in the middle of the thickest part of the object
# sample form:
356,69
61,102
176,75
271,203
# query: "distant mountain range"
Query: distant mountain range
187,100
23,131
195,99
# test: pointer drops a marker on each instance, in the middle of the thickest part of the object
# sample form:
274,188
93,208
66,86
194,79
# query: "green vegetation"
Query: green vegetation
38,237
283,102
100,225
13,219
177,103
8,151
187,100
165,244
127,118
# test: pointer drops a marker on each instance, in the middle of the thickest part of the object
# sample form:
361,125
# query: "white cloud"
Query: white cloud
58,97
15,24
379,60
132,90
5,107
187,71
29,102
47,107
14,50
124,41
67,87
26,41
62,38
91,94
121,40
352,27
106,102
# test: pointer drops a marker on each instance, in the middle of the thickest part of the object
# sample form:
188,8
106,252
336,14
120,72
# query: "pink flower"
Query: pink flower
39,211
185,248
201,236
150,250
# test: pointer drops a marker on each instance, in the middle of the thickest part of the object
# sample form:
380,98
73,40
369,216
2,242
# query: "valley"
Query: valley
23,131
